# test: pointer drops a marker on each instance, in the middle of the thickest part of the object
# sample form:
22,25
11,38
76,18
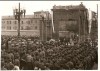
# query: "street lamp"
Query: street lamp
43,26
18,14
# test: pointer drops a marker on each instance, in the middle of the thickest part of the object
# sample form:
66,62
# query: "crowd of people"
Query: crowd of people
26,53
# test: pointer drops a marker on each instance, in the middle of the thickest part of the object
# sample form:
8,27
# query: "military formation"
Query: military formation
26,53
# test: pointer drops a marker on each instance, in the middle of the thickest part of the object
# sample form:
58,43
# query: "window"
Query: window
15,22
31,21
3,21
9,22
3,27
15,27
22,22
22,28
31,27
28,22
35,27
8,27
35,15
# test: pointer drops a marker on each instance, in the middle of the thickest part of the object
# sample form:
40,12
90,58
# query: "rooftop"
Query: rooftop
29,16
81,6
42,11
12,17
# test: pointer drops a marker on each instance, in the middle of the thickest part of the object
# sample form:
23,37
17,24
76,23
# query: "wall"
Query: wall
25,32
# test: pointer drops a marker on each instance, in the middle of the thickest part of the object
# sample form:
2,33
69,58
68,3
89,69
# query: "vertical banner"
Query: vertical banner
52,22
90,20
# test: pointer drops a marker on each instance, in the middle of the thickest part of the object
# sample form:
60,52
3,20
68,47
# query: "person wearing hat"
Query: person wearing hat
3,65
12,46
10,56
9,65
36,65
16,55
16,47
36,68
29,61
23,64
24,46
16,64
46,66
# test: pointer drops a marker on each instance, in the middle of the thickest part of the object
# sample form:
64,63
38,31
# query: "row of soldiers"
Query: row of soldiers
26,54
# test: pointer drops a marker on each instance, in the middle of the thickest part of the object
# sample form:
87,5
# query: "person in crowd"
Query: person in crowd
16,64
27,53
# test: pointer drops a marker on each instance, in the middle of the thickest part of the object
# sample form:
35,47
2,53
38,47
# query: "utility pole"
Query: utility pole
19,21
18,13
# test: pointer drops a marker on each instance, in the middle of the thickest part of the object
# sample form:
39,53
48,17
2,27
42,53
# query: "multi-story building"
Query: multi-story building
70,19
45,24
29,26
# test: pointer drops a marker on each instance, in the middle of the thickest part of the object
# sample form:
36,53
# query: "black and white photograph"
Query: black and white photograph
49,35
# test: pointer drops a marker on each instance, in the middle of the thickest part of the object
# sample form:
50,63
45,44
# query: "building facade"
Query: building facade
70,19
94,26
29,26
45,24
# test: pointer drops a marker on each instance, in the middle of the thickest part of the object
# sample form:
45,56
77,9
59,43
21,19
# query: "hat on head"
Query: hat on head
35,68
17,44
29,39
12,44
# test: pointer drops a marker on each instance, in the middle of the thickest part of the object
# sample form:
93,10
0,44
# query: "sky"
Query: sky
33,6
